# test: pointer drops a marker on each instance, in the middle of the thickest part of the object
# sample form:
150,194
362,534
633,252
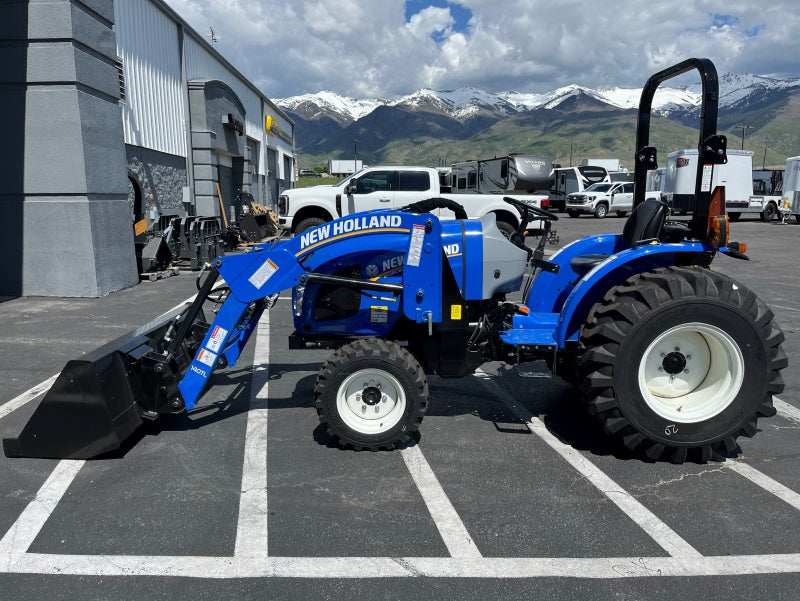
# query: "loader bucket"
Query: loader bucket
100,399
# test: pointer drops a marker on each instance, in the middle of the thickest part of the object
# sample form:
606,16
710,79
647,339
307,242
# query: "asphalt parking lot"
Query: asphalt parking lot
510,490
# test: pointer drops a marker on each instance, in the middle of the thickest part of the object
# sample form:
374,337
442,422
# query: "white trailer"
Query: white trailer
608,164
790,198
344,167
736,176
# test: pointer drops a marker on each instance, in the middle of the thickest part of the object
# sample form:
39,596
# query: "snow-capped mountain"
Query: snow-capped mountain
463,103
424,127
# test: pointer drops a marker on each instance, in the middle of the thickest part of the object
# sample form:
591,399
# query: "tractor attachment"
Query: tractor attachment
102,398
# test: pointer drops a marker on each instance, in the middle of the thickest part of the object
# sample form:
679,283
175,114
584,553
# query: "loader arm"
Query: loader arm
98,401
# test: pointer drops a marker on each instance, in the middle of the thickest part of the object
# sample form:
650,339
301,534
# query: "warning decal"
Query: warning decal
206,357
705,184
415,247
263,273
218,336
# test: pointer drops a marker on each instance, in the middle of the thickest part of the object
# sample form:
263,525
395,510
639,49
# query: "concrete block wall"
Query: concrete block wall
66,196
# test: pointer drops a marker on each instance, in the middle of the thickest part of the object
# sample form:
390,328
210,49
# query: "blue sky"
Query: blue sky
388,48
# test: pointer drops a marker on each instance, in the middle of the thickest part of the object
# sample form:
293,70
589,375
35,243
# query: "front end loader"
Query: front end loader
674,360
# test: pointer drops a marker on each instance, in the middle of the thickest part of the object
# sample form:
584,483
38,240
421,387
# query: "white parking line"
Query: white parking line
667,538
30,522
26,397
765,482
451,528
251,530
786,410
205,567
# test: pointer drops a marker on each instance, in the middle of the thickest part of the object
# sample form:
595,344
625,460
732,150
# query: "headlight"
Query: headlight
283,205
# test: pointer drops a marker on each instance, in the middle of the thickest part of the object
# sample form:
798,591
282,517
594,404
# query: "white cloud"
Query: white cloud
430,20
367,48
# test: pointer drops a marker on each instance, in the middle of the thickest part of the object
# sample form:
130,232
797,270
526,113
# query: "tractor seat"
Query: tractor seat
645,224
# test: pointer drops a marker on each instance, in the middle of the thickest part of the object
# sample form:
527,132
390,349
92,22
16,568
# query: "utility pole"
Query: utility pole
355,156
743,128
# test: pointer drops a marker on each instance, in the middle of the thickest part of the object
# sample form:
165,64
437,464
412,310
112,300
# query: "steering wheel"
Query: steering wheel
429,204
522,207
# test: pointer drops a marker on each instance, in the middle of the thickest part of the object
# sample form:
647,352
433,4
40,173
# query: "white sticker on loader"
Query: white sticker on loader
415,247
206,357
263,273
217,338
705,184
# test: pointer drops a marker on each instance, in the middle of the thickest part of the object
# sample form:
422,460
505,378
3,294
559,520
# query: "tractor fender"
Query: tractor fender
617,268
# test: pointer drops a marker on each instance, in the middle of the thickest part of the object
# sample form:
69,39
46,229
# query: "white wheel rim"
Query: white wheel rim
691,373
371,401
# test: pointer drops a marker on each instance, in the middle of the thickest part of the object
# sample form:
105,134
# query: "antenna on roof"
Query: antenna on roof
213,35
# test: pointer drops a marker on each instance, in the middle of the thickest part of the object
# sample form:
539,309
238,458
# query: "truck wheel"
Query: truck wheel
506,228
622,213
770,212
601,210
680,360
734,216
371,394
573,213
307,224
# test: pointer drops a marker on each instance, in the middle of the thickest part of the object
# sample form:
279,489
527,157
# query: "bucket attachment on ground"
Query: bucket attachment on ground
102,398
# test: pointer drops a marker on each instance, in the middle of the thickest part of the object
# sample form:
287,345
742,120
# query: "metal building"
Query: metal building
121,111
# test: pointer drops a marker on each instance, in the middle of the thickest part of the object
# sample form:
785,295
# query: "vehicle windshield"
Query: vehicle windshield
599,188
345,180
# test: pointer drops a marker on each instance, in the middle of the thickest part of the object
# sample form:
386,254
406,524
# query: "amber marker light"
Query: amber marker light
718,225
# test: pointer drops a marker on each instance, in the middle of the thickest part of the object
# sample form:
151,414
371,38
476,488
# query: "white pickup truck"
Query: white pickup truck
391,188
600,198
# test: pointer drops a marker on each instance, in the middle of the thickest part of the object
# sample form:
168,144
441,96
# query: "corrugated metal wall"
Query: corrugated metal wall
153,115
201,64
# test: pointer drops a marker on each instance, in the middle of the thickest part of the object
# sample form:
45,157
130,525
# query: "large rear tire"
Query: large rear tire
371,394
680,361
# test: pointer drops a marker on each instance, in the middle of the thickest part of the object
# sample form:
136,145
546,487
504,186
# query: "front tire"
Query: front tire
371,394
307,224
601,211
679,361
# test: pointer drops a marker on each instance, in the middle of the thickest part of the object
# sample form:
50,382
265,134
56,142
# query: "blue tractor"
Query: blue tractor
675,360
